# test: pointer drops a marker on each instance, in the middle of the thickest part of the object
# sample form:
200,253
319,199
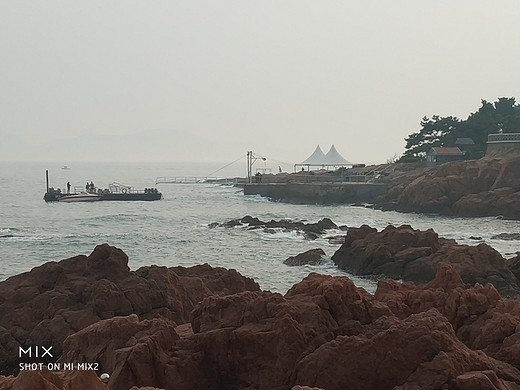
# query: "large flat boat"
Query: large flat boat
115,191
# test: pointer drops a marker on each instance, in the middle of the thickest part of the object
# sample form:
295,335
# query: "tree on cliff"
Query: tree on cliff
433,133
444,131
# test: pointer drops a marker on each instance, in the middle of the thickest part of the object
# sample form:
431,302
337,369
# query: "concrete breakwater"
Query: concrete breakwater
322,193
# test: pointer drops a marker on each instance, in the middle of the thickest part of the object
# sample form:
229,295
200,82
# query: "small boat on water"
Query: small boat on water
80,197
115,191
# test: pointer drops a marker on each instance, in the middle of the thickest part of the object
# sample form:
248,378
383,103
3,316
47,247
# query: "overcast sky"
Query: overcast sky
209,80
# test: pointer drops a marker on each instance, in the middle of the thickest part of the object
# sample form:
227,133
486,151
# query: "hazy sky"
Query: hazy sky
209,80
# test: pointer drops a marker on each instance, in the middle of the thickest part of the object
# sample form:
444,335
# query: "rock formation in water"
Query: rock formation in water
324,332
310,230
312,257
412,255
489,186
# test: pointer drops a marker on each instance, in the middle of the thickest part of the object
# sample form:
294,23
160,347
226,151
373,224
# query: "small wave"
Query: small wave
280,233
257,198
22,235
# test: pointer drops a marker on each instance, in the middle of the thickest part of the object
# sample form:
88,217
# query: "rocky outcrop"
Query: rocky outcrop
312,257
485,187
324,333
310,230
480,317
412,255
44,306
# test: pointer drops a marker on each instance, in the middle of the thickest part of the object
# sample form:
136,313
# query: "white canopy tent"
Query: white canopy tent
315,158
334,158
319,160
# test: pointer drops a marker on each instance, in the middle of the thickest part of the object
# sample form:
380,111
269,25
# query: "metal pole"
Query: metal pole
47,179
249,166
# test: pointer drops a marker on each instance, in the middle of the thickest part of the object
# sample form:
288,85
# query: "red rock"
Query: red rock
485,187
324,332
52,380
394,353
139,353
256,338
57,299
410,254
481,318
312,256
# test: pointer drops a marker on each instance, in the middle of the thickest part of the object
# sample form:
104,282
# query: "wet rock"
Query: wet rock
248,220
507,236
413,255
338,239
311,230
312,257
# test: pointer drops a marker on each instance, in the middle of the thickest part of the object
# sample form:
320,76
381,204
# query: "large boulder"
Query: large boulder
312,257
412,255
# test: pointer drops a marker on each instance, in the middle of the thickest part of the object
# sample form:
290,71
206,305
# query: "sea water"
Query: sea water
175,230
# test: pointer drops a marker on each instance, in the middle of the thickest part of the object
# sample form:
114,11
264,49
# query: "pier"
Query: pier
199,180
318,192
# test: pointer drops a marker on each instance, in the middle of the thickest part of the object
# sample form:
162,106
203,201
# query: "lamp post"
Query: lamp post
251,159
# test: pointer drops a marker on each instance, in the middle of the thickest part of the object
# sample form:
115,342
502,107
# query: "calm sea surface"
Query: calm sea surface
174,231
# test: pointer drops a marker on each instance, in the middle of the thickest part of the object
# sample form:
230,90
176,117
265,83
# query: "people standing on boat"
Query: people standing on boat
68,187
92,187
87,187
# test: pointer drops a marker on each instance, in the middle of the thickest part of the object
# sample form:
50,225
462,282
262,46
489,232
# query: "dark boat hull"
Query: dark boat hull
144,196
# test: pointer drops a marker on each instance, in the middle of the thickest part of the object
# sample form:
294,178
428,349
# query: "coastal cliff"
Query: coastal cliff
211,328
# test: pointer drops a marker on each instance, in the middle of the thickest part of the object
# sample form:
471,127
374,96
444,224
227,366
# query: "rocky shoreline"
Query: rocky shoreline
211,328
471,188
